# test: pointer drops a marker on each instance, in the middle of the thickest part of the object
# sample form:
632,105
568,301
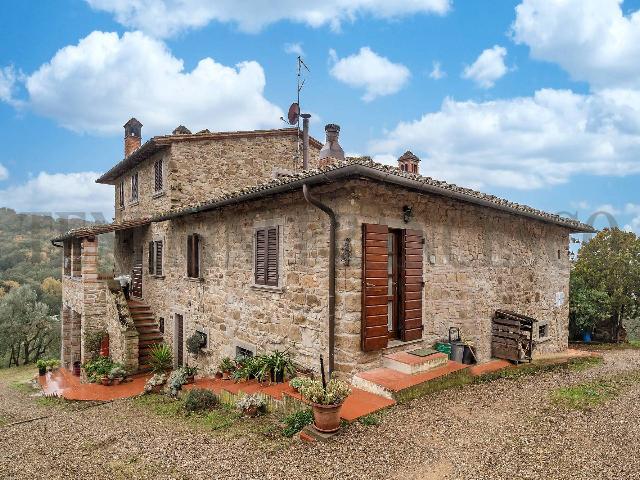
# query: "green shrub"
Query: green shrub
161,359
93,342
296,422
199,399
195,343
335,393
98,368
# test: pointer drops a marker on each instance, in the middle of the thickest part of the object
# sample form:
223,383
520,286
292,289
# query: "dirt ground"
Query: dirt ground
503,429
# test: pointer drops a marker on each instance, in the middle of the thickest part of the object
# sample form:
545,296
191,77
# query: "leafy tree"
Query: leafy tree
587,306
609,264
27,331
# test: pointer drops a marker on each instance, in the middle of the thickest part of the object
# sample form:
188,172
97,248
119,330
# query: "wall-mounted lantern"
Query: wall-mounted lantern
407,213
345,252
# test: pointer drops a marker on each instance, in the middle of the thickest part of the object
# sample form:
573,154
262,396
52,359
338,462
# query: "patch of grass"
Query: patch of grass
585,363
575,364
370,420
598,347
296,422
22,386
453,380
52,402
585,396
217,419
160,404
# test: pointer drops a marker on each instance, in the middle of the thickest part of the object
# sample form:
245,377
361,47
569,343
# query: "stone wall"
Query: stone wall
476,261
196,170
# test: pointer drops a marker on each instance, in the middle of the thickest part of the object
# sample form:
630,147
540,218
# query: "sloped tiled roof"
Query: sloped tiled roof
361,167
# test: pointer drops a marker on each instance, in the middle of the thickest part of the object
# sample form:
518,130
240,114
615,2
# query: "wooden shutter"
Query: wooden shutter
159,247
411,285
158,175
272,256
195,255
261,257
151,259
190,256
375,287
121,193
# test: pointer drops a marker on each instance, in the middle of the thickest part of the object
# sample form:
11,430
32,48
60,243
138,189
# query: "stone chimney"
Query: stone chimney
408,162
132,136
331,150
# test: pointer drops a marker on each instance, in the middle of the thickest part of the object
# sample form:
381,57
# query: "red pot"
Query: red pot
326,418
106,381
226,375
251,411
191,379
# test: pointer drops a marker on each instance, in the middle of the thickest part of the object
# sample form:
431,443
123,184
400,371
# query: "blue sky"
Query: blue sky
537,101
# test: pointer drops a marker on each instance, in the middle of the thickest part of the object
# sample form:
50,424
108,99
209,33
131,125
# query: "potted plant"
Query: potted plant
298,382
226,366
117,374
105,380
279,365
161,358
251,405
176,380
155,383
326,402
190,373
195,343
42,367
53,364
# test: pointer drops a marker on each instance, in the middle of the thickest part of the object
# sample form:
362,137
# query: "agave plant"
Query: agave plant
161,358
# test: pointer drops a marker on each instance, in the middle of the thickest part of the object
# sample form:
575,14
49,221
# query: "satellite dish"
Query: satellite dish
294,113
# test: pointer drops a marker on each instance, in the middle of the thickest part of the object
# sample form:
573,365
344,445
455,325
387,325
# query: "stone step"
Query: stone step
148,343
148,328
146,336
410,364
389,383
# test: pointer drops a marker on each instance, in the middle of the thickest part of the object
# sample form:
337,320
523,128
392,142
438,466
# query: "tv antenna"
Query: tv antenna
293,115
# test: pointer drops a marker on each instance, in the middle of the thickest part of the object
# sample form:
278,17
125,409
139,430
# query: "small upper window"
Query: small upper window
543,331
121,194
134,187
266,256
155,258
157,169
193,255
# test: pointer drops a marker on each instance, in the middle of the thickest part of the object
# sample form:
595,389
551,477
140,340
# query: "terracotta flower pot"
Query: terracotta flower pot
251,411
191,379
106,381
326,418
226,375
117,381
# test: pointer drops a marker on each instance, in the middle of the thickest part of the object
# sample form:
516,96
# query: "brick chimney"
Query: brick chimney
331,150
132,136
408,162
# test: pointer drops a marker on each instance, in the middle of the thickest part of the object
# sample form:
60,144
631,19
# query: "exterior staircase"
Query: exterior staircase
403,371
149,333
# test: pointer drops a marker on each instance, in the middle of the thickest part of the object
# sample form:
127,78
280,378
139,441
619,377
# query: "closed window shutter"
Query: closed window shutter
121,194
411,285
272,256
375,286
158,175
159,247
261,257
196,255
151,259
190,256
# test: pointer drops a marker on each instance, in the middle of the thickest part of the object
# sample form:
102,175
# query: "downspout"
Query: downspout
332,242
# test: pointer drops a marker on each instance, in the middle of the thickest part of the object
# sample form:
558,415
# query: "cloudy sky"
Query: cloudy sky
534,100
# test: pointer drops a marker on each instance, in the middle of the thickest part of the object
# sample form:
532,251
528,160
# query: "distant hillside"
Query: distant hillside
26,253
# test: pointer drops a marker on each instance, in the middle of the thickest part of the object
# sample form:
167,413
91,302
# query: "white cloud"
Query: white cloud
96,85
4,173
527,142
8,80
634,223
591,39
488,67
608,208
294,48
436,72
366,69
163,18
60,193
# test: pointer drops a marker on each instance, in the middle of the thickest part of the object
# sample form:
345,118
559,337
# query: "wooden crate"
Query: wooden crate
512,336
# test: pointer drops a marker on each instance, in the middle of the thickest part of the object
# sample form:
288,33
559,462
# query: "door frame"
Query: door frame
178,335
394,282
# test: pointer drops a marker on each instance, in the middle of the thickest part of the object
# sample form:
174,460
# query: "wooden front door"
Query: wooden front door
179,339
393,244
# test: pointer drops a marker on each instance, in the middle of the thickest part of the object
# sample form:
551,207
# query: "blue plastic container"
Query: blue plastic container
586,337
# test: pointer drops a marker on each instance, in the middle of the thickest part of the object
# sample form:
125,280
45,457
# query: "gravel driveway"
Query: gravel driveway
504,429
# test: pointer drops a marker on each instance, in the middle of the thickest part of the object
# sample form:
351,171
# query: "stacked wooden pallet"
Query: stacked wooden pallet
512,336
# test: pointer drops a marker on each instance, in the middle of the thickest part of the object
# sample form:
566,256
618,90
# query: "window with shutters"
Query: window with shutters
121,194
194,251
266,261
134,187
157,172
155,258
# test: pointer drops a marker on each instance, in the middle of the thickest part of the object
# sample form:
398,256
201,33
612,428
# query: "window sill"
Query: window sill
542,340
399,343
195,280
134,204
159,277
159,194
268,288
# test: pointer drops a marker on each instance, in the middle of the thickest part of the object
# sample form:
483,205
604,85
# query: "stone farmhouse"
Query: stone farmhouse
266,239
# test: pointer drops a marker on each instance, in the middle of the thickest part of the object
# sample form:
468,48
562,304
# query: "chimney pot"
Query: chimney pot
408,162
132,136
331,150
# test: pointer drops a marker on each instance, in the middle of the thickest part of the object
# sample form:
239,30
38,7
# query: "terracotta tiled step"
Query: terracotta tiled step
489,367
407,363
387,382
